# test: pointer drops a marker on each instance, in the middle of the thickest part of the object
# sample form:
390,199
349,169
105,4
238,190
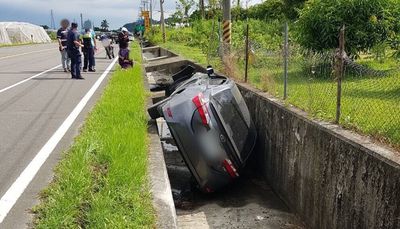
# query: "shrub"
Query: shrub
368,22
52,35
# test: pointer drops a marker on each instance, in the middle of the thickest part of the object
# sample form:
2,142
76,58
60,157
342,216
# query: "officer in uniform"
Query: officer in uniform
73,46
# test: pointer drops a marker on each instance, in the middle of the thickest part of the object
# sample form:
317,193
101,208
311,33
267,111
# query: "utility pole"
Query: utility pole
201,5
162,20
151,12
81,21
226,24
52,23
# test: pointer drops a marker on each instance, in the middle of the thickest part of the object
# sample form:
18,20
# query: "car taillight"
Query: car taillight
202,109
169,112
230,168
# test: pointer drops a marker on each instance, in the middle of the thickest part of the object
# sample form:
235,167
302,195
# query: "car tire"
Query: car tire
155,111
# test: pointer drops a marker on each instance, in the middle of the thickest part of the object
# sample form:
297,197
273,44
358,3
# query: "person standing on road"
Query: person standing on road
62,34
106,41
73,45
89,42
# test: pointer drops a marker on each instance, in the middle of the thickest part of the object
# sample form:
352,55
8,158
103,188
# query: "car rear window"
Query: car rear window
232,119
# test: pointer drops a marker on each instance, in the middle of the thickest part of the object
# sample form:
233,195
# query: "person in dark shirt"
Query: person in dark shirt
73,45
123,54
62,43
123,38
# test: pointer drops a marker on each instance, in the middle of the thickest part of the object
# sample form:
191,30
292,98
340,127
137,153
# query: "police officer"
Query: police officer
73,46
89,41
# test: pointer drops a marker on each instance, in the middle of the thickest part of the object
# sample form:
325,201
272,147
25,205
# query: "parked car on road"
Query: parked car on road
211,125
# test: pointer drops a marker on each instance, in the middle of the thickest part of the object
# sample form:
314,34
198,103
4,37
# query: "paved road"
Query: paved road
30,114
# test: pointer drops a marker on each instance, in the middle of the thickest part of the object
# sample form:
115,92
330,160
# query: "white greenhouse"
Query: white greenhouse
22,32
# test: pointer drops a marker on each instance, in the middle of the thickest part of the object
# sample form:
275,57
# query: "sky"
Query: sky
116,12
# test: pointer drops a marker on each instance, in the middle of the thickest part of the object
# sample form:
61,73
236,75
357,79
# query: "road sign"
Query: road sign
146,16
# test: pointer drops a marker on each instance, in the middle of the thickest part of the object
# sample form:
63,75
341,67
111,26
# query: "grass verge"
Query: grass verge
102,180
192,53
18,44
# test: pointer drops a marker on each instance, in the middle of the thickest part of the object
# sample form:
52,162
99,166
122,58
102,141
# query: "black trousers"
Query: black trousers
88,58
76,63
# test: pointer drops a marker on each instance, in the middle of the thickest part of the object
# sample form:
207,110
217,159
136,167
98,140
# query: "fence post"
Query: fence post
339,72
246,53
286,56
162,20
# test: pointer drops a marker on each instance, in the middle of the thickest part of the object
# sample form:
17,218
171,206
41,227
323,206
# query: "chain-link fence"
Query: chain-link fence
371,98
370,87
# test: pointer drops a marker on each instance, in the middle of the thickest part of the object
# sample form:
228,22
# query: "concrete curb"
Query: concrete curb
160,186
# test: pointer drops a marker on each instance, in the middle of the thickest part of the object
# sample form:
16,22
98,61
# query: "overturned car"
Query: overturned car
211,125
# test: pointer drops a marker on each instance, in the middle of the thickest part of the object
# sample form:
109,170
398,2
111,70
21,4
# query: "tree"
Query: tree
104,25
238,13
45,26
184,7
368,23
292,7
214,4
268,10
174,18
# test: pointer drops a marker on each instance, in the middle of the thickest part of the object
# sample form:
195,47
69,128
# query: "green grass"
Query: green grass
23,44
17,44
370,104
191,53
102,180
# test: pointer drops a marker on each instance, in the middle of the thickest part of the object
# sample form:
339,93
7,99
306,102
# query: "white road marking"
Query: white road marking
23,81
26,53
18,187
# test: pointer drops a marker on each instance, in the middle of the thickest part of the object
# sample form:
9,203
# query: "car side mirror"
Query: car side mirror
210,71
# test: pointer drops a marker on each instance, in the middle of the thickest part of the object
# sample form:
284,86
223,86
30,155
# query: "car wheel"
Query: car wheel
155,111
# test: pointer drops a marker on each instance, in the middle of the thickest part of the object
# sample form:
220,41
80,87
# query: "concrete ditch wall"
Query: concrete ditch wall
156,51
332,178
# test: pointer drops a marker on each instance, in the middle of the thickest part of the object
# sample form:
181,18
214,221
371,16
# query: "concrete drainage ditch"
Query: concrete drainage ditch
248,203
